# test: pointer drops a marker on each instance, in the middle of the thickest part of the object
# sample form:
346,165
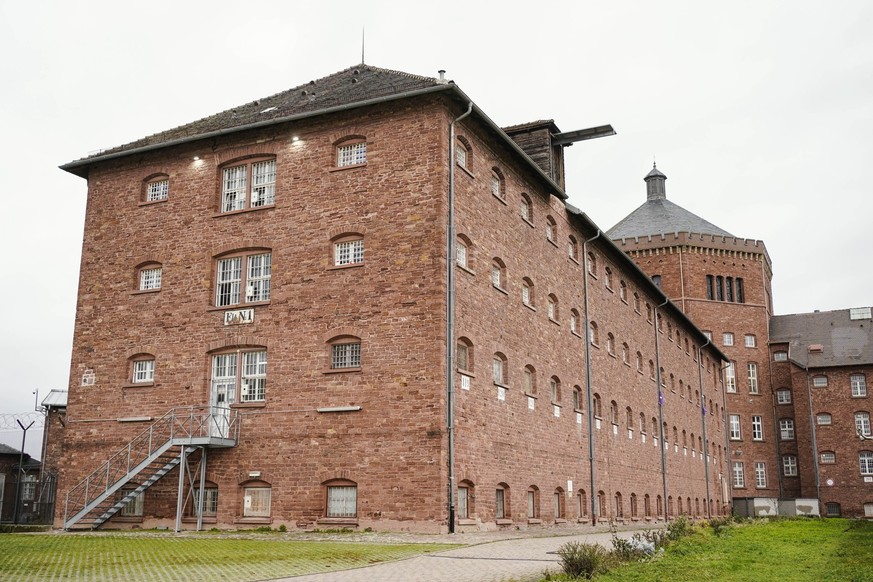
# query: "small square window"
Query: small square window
728,338
150,278
143,371
256,501
345,356
780,356
158,190
352,154
828,458
783,396
751,341
823,419
352,252
820,381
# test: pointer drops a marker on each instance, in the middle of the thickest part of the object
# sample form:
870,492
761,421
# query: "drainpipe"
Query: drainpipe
727,451
661,407
703,421
589,393
450,321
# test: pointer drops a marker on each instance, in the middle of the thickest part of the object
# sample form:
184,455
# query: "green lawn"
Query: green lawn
778,551
131,557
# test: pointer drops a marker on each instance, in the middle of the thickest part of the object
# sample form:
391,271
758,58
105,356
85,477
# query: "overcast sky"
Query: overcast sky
760,114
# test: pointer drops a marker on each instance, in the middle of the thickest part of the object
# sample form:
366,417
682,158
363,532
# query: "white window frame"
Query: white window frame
230,280
862,423
134,507
342,501
525,294
351,252
865,461
246,369
780,356
821,417
734,427
789,465
827,457
498,371
738,475
210,501
461,154
353,154
500,503
551,308
727,338
760,475
150,278
757,428
730,377
257,501
345,355
752,369
783,396
496,275
786,429
235,191
460,254
820,381
859,385
751,340
143,371
158,190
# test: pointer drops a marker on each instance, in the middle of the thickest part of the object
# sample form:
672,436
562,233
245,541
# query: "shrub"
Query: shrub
586,560
658,537
678,528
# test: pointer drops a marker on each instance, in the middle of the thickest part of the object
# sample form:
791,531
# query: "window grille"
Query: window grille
143,371
263,183
353,154
233,196
350,252
158,190
229,281
150,279
260,269
346,356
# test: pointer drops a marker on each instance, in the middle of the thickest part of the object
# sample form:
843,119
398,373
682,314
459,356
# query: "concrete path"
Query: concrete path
518,560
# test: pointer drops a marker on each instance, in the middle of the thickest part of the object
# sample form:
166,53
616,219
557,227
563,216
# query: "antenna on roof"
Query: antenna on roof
363,36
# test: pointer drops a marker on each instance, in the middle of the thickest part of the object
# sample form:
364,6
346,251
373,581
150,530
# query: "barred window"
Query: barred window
158,189
353,154
823,419
150,278
828,457
342,501
820,381
462,153
210,501
246,369
351,252
526,211
134,506
346,355
143,371
238,194
230,281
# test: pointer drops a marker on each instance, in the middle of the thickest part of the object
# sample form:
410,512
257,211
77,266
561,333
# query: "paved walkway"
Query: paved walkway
517,559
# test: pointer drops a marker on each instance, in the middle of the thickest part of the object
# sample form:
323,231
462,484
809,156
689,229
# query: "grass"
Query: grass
32,557
782,549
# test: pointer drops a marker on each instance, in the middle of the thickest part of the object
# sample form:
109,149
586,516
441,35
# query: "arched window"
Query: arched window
593,333
498,273
530,380
629,418
659,506
573,248
582,503
243,277
341,497
637,302
466,498
596,405
464,252
553,307
464,354
651,369
526,208
613,412
499,372
601,504
527,292
622,290
498,183
533,502
610,344
655,431
642,423
351,152
648,312
574,321
248,184
149,276
345,353
681,510
551,230
142,369
463,153
592,264
559,504
502,499
633,505
347,250
555,388
239,376
625,353
639,362
577,398
156,188
607,278
256,498
647,506
619,507
210,501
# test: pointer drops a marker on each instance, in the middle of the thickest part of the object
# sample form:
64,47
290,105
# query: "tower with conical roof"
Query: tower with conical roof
722,282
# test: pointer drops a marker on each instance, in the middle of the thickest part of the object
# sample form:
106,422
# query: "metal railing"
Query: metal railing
179,424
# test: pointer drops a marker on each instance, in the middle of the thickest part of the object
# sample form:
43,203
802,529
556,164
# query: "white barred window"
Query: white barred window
263,183
224,377
345,355
254,377
351,154
461,254
256,501
351,252
238,194
828,458
751,341
158,190
342,501
229,279
150,278
143,371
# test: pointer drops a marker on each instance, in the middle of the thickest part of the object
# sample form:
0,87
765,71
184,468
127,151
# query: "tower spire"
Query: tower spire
655,184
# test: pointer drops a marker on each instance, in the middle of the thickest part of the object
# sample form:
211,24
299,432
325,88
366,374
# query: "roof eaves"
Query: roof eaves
80,167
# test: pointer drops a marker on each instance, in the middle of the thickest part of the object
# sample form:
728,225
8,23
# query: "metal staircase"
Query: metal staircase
164,445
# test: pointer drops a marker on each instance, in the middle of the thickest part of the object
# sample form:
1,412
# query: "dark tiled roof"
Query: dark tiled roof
531,124
360,83
843,341
662,217
7,450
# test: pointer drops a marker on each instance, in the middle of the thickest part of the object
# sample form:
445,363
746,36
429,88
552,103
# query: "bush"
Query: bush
586,560
658,537
679,528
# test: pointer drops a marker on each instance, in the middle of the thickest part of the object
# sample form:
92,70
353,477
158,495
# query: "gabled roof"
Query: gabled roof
836,339
359,84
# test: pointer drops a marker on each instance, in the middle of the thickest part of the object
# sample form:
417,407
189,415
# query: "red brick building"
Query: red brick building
777,463
277,277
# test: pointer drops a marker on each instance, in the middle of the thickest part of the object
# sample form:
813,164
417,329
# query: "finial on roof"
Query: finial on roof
363,36
655,186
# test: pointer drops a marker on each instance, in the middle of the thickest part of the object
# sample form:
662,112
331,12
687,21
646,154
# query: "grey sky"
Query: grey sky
758,112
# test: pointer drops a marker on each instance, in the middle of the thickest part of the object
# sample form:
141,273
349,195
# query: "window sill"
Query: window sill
349,167
501,289
551,242
555,321
558,404
153,202
573,259
337,521
140,385
253,520
349,266
501,385
528,222
466,521
534,520
560,520
576,333
610,289
500,199
145,291
529,395
592,275
249,404
612,355
238,306
531,307
466,270
466,373
189,519
582,520
504,522
341,371
243,211
465,170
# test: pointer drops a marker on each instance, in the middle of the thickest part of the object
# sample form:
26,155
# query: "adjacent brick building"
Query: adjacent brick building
777,463
278,275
